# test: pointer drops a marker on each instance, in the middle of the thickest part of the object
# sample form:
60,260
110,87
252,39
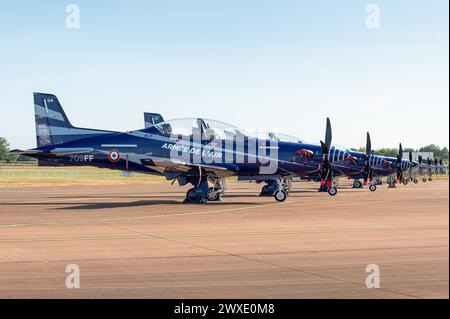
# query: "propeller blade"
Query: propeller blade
328,133
400,151
325,147
368,145
410,157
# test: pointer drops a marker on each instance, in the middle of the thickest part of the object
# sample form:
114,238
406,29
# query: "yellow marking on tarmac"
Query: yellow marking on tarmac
175,214
231,234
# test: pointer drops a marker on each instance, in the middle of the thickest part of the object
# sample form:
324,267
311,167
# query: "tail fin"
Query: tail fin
53,126
151,119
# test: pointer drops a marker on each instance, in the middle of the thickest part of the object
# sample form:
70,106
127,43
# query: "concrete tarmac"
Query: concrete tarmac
140,241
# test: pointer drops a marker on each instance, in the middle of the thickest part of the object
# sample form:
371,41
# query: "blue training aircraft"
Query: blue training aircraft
357,166
190,151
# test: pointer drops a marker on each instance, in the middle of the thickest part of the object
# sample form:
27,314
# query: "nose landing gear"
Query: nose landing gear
214,193
280,195
332,191
279,189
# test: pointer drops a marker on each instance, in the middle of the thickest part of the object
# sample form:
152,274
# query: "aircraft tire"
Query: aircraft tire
191,196
416,180
424,180
373,187
358,184
280,195
332,191
265,191
212,195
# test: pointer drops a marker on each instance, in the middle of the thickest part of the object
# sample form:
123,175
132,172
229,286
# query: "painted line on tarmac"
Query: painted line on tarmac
231,234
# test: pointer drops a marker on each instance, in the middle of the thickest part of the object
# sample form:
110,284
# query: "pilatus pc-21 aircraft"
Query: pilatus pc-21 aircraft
358,165
366,166
371,168
190,151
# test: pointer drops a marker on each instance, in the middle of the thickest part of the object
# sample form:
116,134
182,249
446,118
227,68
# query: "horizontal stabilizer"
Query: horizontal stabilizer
55,151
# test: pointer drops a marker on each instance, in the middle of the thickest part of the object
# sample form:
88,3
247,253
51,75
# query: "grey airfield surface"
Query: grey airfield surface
139,241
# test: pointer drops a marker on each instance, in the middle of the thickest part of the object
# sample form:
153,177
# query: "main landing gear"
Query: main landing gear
196,195
199,193
357,184
372,185
391,182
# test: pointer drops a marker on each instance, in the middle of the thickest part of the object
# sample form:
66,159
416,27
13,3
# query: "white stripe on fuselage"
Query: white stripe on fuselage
119,145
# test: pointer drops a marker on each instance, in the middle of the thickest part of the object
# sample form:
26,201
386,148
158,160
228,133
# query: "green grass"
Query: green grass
19,176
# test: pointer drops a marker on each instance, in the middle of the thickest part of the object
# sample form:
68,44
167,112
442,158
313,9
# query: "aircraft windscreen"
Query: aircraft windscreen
278,137
288,138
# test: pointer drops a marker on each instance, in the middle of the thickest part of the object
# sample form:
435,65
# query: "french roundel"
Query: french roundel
114,156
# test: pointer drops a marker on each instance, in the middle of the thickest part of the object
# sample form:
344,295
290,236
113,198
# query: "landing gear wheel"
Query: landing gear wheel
405,181
430,179
191,196
212,195
280,195
424,180
266,191
415,180
357,184
373,187
332,191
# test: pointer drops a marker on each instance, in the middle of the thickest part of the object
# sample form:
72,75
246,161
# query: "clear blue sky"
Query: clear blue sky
281,64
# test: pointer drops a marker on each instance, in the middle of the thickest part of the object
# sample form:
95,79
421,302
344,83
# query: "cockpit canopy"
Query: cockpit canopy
278,137
207,128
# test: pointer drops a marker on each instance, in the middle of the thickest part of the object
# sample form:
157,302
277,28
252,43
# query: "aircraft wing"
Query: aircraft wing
174,166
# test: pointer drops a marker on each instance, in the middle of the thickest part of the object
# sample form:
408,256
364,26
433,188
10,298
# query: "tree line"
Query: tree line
440,153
